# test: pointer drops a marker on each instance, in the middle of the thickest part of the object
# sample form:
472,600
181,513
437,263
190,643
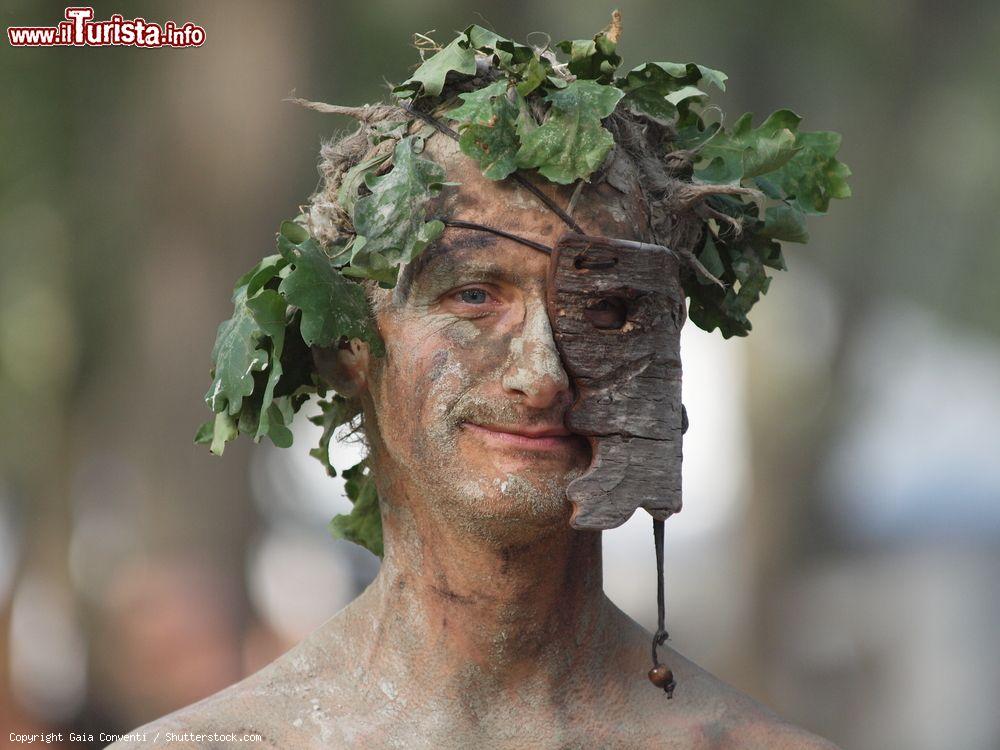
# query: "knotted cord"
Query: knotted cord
660,675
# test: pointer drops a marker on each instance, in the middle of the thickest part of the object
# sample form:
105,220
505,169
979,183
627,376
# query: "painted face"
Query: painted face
471,396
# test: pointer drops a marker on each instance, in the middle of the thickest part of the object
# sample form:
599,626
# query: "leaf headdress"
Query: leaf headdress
728,198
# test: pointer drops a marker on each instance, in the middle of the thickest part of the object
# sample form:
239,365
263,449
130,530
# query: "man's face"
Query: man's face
471,399
471,395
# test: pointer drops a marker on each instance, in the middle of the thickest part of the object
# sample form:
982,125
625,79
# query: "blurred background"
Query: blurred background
839,550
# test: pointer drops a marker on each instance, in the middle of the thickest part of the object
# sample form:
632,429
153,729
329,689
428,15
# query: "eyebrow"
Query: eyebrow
437,250
478,238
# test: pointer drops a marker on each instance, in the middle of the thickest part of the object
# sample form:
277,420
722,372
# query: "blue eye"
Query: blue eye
473,296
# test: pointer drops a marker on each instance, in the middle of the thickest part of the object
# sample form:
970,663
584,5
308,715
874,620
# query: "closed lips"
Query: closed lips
537,438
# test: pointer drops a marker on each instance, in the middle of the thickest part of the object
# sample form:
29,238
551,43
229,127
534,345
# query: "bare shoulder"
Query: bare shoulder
278,707
708,714
770,733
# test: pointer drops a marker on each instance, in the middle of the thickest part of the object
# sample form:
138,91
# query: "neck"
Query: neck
457,606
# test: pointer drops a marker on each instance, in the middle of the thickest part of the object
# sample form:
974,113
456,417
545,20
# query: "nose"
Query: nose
533,369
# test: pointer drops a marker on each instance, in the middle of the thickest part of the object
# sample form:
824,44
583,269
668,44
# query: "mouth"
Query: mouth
554,438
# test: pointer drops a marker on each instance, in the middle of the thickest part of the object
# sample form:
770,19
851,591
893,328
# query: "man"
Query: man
487,625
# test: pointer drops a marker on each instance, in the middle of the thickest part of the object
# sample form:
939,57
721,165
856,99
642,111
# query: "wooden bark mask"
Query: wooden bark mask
616,309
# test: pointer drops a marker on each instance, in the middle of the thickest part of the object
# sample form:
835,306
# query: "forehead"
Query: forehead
612,204
600,209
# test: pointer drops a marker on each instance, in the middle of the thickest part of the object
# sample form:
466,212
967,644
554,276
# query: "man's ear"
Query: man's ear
344,366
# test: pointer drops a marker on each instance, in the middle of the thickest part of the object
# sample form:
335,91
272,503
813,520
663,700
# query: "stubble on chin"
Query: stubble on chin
463,483
507,506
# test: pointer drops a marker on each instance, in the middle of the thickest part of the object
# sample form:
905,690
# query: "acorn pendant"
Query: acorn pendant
663,677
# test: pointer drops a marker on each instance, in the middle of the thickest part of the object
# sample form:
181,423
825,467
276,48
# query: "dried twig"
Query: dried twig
358,113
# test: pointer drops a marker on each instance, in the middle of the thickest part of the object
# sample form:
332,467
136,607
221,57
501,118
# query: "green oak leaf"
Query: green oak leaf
772,257
269,310
709,257
483,39
813,175
390,222
572,142
223,430
429,78
294,232
394,129
365,265
255,279
705,311
710,75
331,305
648,86
236,355
354,178
249,417
532,74
510,55
785,223
768,187
278,417
521,63
363,525
748,152
685,93
299,378
334,412
742,263
786,164
241,343
593,59
479,106
753,282
693,74
489,128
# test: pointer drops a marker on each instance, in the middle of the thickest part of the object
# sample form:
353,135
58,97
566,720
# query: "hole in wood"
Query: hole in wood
607,313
